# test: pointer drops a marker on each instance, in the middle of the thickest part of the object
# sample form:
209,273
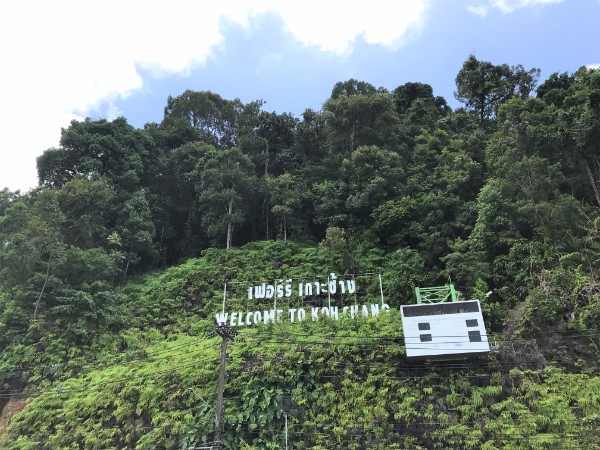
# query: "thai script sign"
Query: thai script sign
284,288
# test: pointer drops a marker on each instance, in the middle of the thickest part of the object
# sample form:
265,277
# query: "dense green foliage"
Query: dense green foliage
112,270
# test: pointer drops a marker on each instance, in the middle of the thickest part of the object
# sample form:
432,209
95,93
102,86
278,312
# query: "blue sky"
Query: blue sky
64,60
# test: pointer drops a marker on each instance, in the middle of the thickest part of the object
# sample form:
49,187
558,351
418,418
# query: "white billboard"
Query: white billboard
440,330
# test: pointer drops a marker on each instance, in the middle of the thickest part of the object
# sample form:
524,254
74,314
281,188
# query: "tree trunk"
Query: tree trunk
161,252
593,181
229,223
37,303
267,160
128,261
265,207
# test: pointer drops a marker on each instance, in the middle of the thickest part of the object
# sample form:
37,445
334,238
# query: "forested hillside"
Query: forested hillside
112,270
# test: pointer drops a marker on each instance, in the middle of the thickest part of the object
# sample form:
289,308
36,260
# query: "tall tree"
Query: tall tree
271,143
310,137
329,200
88,206
219,121
32,242
227,180
360,117
405,95
353,87
582,125
177,205
136,229
286,200
554,90
97,148
374,175
7,197
483,86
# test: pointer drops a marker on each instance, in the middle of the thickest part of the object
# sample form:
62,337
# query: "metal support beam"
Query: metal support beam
437,294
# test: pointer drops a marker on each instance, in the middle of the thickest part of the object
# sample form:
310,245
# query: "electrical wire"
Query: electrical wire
274,338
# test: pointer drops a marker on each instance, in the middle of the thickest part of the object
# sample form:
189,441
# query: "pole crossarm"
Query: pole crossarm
225,332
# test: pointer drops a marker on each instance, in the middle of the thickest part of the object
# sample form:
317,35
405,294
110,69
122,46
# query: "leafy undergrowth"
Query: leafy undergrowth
341,384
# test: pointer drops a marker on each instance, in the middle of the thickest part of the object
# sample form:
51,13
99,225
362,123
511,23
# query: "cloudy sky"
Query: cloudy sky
65,60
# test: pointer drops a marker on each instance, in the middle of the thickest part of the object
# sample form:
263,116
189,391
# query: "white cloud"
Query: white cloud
334,26
509,6
479,10
67,56
593,66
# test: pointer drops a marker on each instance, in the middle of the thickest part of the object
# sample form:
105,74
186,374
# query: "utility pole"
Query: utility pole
286,433
284,406
226,333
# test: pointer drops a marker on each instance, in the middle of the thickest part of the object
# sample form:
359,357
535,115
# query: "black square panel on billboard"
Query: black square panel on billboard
425,338
475,336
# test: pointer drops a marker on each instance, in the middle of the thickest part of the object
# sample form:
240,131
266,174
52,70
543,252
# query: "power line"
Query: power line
303,343
168,352
140,378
